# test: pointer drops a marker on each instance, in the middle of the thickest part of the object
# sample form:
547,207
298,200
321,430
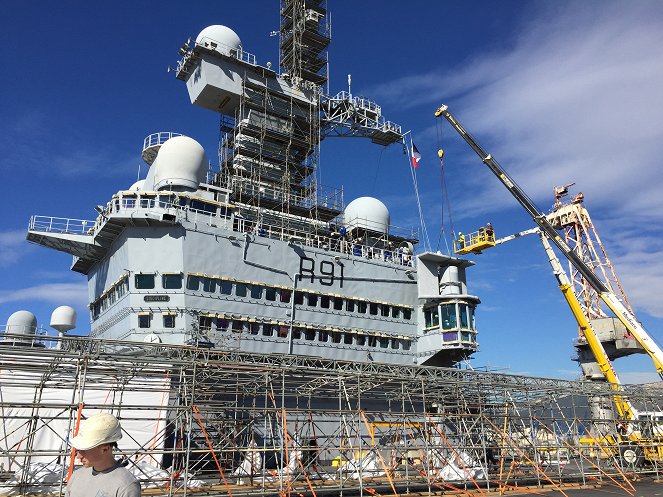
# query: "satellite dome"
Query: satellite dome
181,165
368,213
63,318
221,38
22,323
137,186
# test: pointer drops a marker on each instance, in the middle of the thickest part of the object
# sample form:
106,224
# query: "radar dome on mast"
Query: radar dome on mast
180,165
368,213
63,318
219,38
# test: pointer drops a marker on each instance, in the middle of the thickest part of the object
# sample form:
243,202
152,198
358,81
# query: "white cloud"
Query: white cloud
574,98
64,155
74,294
12,247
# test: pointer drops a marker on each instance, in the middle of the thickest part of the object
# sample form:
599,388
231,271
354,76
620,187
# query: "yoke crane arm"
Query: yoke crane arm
624,407
611,300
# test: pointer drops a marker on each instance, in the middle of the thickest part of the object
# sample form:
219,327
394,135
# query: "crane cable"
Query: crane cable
445,193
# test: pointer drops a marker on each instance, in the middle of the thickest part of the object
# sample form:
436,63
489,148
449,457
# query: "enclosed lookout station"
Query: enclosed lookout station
448,330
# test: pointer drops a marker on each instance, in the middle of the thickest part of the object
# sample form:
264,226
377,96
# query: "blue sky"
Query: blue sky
558,92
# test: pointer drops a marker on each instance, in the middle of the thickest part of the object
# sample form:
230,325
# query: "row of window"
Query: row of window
208,324
454,316
109,297
148,201
259,292
145,320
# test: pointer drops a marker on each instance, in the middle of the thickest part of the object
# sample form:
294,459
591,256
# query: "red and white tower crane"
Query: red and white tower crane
573,219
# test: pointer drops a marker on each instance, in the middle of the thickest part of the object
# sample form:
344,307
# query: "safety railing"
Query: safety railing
48,224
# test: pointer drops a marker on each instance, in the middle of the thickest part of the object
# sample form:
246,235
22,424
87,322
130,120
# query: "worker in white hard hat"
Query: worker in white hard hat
101,475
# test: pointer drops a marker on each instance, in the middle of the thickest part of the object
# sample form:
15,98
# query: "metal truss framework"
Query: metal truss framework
237,424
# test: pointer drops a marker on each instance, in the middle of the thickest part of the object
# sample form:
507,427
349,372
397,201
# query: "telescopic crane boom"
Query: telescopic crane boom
611,300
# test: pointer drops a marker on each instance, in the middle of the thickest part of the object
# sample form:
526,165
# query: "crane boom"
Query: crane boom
611,300
624,407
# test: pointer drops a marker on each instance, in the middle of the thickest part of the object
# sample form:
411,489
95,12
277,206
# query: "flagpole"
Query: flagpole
424,230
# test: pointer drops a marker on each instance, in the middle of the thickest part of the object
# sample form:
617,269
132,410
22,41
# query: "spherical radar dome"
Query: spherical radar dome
22,323
367,212
181,165
63,318
224,38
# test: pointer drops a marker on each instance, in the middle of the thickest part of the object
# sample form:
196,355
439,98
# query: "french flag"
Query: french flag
416,156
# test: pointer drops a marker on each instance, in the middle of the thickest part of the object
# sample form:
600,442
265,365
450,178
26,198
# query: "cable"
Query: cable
445,194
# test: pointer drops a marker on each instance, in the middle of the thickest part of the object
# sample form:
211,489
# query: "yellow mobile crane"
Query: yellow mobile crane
611,300
629,442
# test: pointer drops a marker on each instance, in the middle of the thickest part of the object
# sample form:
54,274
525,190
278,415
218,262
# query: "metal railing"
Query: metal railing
48,224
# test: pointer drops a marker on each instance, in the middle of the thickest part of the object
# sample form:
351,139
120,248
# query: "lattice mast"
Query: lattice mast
580,234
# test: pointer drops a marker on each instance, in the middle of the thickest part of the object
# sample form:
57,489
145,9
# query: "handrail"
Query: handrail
63,225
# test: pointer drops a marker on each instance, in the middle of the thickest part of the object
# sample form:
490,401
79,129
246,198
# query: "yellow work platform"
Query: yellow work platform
474,242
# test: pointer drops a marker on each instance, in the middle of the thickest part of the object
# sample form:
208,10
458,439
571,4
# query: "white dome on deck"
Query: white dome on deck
224,38
137,186
181,164
368,213
22,323
63,318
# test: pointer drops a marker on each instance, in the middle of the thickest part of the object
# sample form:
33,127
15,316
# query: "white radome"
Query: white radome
181,164
137,186
224,37
367,212
63,318
22,323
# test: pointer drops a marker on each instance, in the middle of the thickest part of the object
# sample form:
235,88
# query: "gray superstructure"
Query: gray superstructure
258,257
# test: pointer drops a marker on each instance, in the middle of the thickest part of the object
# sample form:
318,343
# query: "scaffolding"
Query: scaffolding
234,424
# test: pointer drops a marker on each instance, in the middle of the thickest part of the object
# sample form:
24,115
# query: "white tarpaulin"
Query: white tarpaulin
38,417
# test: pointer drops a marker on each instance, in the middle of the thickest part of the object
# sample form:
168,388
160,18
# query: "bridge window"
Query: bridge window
267,330
361,307
361,340
209,285
226,287
312,300
349,305
395,312
384,342
309,334
193,282
432,317
385,310
449,317
299,298
373,309
407,314
464,321
256,291
347,339
144,281
323,336
171,281
407,344
296,333
338,303
270,294
255,328
285,295
144,320
169,320
240,289
324,301
336,337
